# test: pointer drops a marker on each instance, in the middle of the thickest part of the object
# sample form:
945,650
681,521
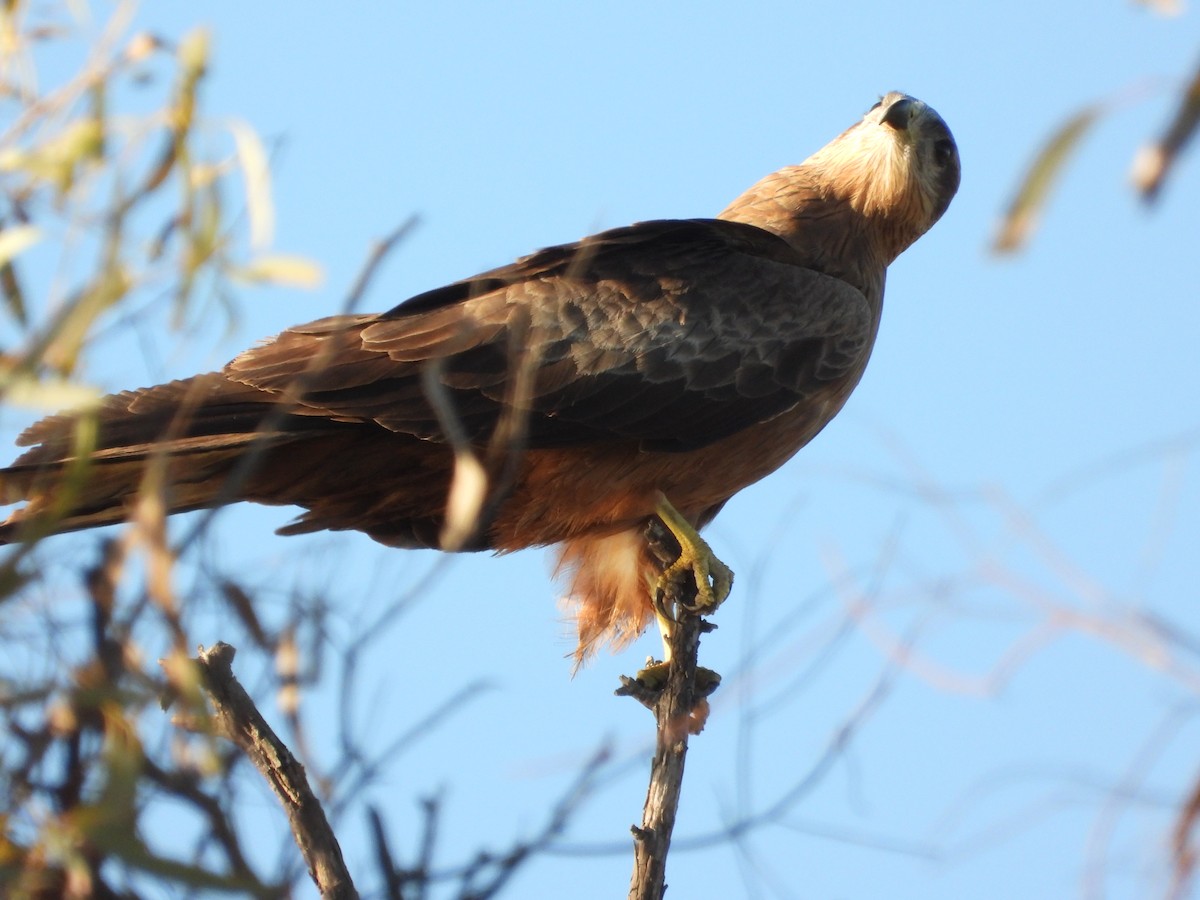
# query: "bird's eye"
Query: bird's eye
943,151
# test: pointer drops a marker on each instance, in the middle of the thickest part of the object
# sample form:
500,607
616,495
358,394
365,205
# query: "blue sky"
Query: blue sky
980,538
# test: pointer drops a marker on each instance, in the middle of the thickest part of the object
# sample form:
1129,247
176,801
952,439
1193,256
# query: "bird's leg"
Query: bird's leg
664,631
653,676
713,578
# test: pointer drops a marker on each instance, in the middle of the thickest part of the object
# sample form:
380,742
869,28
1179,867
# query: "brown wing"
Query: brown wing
674,334
670,335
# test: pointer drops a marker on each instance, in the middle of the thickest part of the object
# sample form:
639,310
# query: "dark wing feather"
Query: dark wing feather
674,334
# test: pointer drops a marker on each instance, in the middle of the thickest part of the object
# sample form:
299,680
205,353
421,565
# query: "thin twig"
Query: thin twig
238,719
499,870
383,856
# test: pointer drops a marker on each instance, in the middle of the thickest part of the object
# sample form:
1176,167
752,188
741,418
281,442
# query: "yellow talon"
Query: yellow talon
654,677
713,581
713,578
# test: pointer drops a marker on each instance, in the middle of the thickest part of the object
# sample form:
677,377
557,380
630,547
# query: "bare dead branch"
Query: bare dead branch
398,879
680,708
392,885
431,816
238,719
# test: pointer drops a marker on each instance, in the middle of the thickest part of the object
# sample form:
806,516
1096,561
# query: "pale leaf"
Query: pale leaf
193,52
16,240
1022,214
257,173
291,271
22,389
468,491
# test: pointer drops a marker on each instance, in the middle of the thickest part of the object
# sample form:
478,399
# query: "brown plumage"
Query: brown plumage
685,358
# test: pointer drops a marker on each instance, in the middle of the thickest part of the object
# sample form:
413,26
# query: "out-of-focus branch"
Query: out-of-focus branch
238,719
1155,160
1183,849
488,873
1150,168
220,826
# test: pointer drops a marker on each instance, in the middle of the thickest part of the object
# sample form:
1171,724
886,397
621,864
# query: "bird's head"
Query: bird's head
899,163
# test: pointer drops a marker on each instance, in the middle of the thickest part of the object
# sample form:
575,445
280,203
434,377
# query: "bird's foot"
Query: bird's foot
713,578
654,678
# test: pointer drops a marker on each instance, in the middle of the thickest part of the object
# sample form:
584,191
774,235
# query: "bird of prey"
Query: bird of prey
566,399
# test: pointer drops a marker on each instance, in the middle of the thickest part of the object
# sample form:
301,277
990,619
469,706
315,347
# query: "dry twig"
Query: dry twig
238,719
680,707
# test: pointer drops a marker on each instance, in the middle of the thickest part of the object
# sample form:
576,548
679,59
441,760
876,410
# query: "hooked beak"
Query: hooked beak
899,113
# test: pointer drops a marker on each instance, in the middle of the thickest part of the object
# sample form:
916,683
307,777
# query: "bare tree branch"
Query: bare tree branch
680,708
238,719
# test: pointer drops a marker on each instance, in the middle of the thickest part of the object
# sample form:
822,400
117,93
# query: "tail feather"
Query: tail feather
85,469
77,494
220,442
206,404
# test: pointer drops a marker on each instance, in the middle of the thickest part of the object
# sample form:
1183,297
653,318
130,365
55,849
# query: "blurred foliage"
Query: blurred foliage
121,201
1150,168
118,198
130,210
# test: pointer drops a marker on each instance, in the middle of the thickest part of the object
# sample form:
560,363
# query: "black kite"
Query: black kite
654,370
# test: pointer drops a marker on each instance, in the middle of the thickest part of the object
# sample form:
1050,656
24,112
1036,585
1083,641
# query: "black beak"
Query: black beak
899,113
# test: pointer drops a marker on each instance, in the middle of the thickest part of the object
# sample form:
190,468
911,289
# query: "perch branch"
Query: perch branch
680,707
